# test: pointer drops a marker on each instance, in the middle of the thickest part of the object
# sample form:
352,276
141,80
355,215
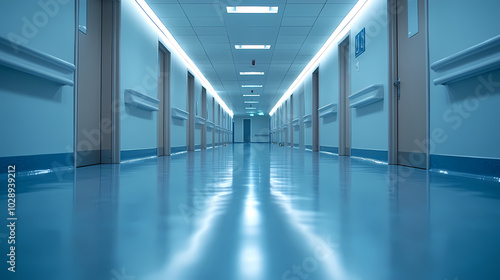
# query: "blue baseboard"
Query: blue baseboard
371,154
37,162
471,165
309,147
333,150
137,154
209,145
175,150
197,147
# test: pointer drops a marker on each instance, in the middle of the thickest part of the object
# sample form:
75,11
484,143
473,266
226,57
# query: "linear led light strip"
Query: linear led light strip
321,53
175,47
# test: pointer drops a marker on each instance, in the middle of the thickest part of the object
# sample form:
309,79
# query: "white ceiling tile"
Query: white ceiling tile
181,31
288,46
325,26
214,39
336,10
207,21
161,1
177,21
303,10
291,39
203,10
294,30
167,10
210,31
298,21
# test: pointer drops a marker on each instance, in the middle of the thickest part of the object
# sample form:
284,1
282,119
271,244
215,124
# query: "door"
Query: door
88,101
213,120
302,110
344,92
204,115
219,124
412,83
315,114
192,113
247,130
164,97
290,122
285,123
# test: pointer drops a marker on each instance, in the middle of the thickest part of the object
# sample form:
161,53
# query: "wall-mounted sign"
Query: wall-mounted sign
360,42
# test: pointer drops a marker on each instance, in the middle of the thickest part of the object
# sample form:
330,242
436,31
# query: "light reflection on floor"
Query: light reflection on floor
254,211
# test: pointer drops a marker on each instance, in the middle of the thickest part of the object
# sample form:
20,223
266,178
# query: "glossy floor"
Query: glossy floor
254,211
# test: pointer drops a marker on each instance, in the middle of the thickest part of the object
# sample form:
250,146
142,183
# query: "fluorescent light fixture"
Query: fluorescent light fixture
251,73
331,42
252,47
250,108
261,113
170,42
251,86
252,102
251,115
251,95
251,10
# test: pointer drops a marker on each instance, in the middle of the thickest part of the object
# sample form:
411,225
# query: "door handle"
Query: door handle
397,84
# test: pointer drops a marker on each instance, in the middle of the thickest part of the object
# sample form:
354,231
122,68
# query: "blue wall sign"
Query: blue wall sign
360,42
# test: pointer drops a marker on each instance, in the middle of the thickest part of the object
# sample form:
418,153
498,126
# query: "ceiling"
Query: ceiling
208,34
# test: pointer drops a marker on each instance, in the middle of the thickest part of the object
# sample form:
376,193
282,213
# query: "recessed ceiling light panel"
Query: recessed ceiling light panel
251,86
251,95
251,10
252,47
251,73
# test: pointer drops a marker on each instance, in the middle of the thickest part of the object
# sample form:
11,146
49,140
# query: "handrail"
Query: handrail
210,124
307,119
141,100
199,120
476,60
482,47
327,110
367,95
468,72
36,63
179,114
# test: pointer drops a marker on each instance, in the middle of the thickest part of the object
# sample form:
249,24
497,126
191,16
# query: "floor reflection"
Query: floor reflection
254,211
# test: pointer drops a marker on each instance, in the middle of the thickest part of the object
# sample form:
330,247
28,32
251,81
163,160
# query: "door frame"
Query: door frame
204,114
393,77
191,84
290,120
164,97
345,127
110,83
315,108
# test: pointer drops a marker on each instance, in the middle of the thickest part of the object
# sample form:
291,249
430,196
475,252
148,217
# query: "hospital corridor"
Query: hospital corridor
249,139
